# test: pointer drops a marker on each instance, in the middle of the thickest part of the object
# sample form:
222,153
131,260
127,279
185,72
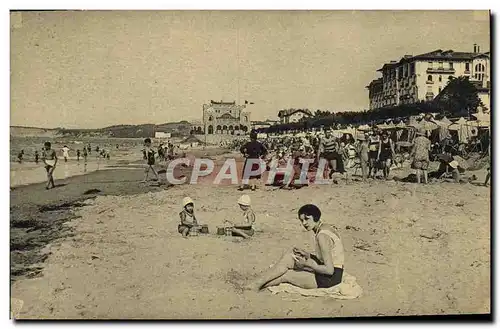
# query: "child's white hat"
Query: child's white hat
187,200
244,200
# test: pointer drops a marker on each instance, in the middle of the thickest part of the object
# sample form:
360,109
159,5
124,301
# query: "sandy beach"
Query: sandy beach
413,249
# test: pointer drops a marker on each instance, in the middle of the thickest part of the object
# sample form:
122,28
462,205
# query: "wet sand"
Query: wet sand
414,250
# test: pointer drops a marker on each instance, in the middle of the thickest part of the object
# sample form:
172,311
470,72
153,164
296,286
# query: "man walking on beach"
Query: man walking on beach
252,151
49,158
149,156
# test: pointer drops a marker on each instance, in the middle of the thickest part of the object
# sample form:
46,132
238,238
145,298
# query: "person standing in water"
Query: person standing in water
49,158
37,156
78,155
65,151
20,156
324,269
253,151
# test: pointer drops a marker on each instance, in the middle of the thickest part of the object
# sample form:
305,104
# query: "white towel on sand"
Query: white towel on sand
347,289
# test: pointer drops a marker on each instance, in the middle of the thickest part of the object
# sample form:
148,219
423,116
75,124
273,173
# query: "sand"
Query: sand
413,249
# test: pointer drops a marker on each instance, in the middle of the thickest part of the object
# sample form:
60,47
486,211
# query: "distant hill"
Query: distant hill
177,129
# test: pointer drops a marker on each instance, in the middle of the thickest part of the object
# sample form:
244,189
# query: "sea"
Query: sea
123,152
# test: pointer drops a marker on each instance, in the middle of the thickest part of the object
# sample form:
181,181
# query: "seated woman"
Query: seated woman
305,270
245,227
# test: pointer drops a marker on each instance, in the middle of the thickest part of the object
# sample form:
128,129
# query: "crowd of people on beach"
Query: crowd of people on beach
373,152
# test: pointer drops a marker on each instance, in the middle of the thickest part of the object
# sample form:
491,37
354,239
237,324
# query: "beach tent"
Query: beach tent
364,128
427,125
447,121
463,129
413,122
192,139
401,124
483,119
391,125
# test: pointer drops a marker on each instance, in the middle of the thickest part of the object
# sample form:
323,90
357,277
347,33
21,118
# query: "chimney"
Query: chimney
475,48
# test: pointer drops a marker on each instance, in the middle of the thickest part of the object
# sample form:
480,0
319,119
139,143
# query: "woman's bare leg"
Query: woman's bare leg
425,176
301,279
286,263
418,176
240,233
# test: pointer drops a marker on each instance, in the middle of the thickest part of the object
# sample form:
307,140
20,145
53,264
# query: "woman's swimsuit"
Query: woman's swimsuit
385,151
337,254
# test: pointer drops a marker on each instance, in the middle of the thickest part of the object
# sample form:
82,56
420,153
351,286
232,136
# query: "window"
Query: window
430,65
429,78
412,68
440,79
467,67
451,65
479,68
439,89
210,118
440,65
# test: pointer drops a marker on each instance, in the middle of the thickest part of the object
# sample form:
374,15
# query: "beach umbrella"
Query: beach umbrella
445,120
413,122
391,125
364,128
401,124
481,116
458,124
427,125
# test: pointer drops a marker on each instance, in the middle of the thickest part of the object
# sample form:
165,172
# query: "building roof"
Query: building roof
374,82
438,54
222,103
288,112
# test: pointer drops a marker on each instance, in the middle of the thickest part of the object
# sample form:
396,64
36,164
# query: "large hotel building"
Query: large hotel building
421,78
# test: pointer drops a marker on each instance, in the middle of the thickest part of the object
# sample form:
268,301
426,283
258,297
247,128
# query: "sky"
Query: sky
91,69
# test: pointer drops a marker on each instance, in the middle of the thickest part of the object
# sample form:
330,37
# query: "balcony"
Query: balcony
441,70
429,82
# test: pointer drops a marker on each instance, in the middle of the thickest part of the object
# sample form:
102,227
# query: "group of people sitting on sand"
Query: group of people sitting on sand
322,269
242,228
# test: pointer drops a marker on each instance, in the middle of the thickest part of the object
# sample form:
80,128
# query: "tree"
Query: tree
459,98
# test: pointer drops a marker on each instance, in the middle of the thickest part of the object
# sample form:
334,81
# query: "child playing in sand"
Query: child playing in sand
49,158
149,156
188,219
245,227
